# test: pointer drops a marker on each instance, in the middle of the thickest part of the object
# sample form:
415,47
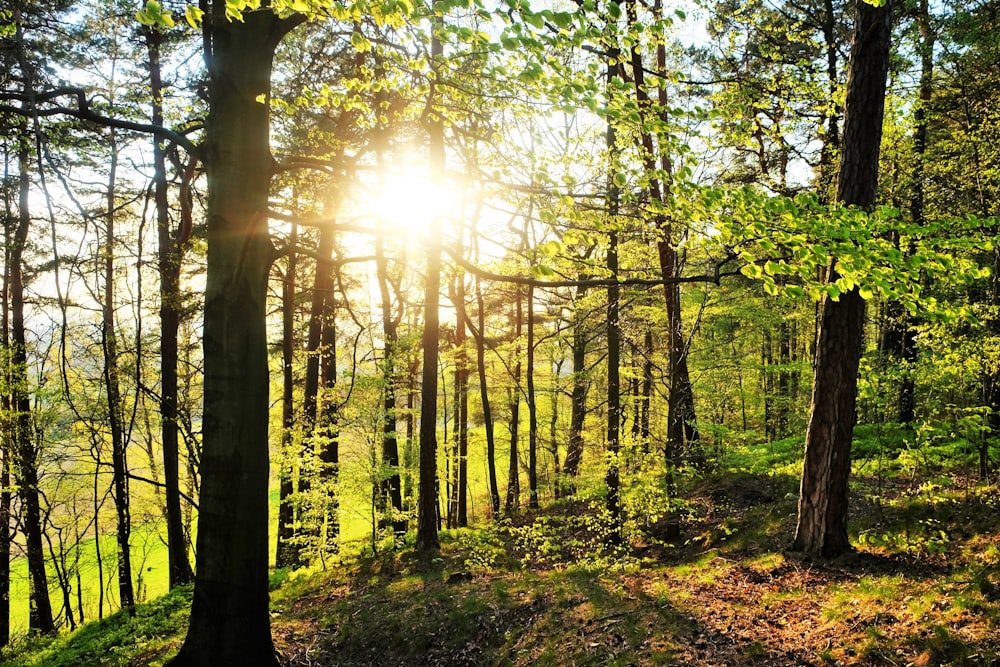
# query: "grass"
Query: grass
923,587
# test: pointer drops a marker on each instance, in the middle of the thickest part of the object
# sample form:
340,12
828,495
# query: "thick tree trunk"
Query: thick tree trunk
230,621
822,520
169,254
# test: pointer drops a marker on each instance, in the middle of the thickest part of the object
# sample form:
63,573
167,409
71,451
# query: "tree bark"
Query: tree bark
682,431
23,443
390,488
112,385
484,394
823,495
462,403
532,407
427,501
578,398
512,504
230,620
285,554
170,254
611,476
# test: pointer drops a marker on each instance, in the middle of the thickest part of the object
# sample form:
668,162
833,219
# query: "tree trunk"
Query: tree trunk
785,380
647,391
230,620
285,553
512,504
427,502
23,442
312,427
480,336
823,495
532,407
611,476
462,403
991,379
329,434
557,365
7,423
578,398
831,137
112,385
908,353
681,421
170,255
390,488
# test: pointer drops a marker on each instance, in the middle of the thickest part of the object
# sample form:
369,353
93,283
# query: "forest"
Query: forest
467,332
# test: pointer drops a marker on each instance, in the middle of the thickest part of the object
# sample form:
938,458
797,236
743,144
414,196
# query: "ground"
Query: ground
708,584
921,589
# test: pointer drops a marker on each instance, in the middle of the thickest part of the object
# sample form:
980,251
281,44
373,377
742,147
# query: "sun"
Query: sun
407,201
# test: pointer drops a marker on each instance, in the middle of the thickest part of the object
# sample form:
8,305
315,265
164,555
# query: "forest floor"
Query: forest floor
922,588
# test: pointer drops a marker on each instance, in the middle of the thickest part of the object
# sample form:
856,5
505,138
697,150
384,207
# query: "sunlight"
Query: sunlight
408,201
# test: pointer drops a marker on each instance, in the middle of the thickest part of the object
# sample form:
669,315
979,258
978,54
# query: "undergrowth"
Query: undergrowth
703,578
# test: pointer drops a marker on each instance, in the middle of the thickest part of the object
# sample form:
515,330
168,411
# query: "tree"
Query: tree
171,245
230,622
822,515
427,534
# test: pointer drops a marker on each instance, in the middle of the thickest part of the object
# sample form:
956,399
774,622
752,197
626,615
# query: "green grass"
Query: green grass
544,588
150,572
118,640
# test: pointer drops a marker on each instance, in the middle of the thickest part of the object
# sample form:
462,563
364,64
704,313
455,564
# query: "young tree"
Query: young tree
427,504
172,243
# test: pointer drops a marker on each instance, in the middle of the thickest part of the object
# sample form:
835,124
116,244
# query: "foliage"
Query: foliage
119,639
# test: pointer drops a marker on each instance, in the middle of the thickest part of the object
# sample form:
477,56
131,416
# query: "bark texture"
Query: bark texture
822,519
230,623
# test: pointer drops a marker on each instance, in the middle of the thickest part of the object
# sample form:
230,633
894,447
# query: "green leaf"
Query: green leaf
542,271
534,20
360,42
562,19
193,16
